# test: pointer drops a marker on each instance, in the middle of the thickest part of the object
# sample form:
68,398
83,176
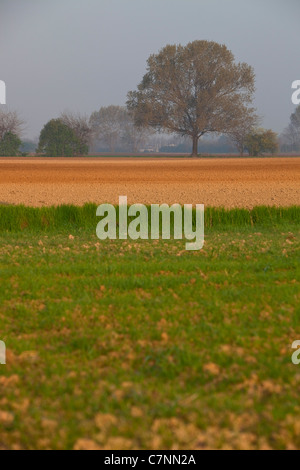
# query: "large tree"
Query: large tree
193,90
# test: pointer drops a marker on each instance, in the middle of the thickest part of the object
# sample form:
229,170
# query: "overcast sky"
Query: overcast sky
79,55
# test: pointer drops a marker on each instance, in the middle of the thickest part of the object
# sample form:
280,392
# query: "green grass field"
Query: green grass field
142,345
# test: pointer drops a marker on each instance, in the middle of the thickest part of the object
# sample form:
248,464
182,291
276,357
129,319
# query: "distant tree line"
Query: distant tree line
187,92
290,138
113,128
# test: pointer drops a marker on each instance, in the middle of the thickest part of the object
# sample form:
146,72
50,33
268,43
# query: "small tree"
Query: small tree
114,126
10,145
239,134
80,125
291,135
58,140
261,141
295,119
290,139
133,137
108,124
10,122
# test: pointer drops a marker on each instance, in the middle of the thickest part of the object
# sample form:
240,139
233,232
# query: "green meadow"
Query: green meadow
143,345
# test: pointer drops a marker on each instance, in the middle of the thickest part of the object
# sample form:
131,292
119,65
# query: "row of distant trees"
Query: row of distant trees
112,129
109,128
188,92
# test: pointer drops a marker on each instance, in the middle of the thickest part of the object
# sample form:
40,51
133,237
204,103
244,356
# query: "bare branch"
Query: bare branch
10,122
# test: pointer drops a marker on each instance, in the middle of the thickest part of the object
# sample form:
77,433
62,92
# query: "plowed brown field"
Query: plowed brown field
213,182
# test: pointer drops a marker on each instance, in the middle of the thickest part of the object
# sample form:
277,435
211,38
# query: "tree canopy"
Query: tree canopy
193,90
59,140
10,145
107,125
114,127
239,134
261,141
80,125
10,122
290,138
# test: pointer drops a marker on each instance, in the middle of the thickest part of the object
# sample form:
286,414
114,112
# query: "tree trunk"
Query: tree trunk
241,149
195,146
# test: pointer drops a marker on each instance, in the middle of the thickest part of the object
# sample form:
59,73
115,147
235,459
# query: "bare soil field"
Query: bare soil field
214,182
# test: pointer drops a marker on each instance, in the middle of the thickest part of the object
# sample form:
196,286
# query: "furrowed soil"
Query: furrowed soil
244,182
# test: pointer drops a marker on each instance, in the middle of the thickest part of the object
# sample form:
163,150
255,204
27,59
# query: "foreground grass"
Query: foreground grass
132,345
69,217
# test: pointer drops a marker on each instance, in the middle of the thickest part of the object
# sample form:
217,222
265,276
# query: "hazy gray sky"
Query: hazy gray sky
79,55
